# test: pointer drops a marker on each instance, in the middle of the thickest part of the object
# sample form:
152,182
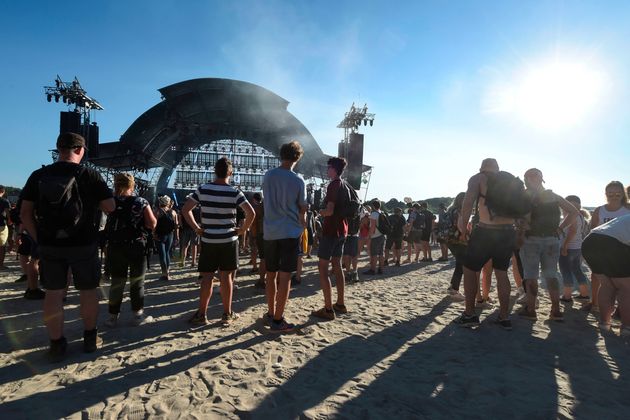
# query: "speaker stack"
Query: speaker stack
354,155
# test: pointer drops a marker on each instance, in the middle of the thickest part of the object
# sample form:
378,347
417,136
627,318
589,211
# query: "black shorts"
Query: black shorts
606,255
222,257
282,255
260,246
28,247
415,236
426,235
396,242
351,247
496,244
330,247
83,261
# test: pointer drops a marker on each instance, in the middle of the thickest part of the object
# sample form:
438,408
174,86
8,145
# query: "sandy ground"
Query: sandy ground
396,353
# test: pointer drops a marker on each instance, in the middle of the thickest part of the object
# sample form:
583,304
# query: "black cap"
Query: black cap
70,140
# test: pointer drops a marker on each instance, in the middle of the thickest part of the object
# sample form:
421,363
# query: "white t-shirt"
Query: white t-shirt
374,216
618,228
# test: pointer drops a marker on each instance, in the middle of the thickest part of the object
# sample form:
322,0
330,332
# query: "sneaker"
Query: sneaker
139,318
21,279
198,319
580,297
112,320
369,272
379,271
267,318
91,341
467,321
506,324
281,326
526,314
521,296
443,259
484,304
341,309
455,295
57,350
324,314
227,319
566,300
34,294
589,307
398,263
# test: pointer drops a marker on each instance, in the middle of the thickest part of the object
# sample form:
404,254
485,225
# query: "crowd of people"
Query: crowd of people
497,222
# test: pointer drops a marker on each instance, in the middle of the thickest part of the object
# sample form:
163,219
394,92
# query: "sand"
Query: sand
395,354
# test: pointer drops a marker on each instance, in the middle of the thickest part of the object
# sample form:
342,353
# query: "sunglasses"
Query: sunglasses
614,194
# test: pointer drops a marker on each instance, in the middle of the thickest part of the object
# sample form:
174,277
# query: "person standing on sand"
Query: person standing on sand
283,225
541,249
219,238
334,232
493,238
59,206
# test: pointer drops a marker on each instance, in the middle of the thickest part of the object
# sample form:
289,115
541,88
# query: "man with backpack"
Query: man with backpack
394,240
334,232
379,228
425,235
59,208
500,199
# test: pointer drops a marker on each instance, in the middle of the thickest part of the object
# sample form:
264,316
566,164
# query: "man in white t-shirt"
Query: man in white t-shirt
377,241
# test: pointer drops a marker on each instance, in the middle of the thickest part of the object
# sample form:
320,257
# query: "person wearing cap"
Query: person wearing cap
493,238
541,247
67,247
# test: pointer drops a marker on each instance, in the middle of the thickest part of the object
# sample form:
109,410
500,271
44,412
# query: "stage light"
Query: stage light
56,98
365,121
49,98
371,123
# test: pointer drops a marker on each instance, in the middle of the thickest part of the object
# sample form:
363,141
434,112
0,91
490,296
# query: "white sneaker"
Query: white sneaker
139,318
112,320
455,295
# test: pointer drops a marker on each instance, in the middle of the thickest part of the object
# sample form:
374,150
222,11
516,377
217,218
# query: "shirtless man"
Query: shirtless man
493,238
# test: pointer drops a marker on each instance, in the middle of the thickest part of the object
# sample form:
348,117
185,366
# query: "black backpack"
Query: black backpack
354,225
165,223
383,224
506,196
59,206
348,204
419,222
121,226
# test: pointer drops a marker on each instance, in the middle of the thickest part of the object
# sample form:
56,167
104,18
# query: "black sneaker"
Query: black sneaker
91,341
506,324
34,294
467,321
57,350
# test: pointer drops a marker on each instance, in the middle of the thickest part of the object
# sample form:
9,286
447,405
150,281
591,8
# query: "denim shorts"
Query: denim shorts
377,246
540,254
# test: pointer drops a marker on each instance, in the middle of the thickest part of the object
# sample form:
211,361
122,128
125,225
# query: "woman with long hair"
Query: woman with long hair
126,231
570,261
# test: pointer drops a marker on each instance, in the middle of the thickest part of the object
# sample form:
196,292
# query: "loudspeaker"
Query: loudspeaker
70,121
342,150
354,170
92,140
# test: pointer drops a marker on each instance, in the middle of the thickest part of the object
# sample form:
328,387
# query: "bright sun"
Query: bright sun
552,95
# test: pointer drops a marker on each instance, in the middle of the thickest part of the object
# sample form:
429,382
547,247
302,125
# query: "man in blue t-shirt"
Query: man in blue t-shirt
283,225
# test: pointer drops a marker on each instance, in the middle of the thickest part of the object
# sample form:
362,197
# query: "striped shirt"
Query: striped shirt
218,212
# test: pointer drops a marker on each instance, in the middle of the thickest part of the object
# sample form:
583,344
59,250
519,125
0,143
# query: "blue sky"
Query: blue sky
533,83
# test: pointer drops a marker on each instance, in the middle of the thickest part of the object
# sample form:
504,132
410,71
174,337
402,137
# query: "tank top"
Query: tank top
607,215
545,217
576,242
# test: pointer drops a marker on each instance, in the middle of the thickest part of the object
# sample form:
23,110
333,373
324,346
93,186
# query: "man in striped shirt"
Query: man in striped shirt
219,237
